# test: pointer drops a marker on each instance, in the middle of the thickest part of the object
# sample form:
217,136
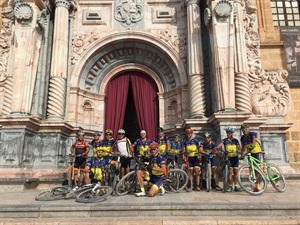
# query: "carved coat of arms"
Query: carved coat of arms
128,11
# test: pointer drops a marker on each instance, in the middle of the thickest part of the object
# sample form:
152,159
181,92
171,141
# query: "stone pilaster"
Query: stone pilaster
195,60
59,63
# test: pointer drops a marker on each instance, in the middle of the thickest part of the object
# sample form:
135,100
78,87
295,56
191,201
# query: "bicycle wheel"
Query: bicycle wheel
96,194
126,184
253,186
225,174
276,178
56,193
176,180
208,177
189,185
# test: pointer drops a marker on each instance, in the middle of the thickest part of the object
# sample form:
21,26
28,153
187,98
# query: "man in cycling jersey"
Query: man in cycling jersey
249,142
96,143
123,146
163,141
232,148
107,143
176,149
142,145
208,149
157,170
80,149
191,150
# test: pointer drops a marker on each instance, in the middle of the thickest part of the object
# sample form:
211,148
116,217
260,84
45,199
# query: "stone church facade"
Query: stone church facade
206,58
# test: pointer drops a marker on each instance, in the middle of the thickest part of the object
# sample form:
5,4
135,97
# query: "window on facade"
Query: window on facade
285,13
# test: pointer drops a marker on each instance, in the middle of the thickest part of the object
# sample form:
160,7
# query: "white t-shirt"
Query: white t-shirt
122,147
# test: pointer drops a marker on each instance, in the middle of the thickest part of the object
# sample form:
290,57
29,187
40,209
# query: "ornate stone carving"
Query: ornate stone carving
43,19
57,96
63,3
270,94
128,11
22,10
188,2
223,8
207,16
80,42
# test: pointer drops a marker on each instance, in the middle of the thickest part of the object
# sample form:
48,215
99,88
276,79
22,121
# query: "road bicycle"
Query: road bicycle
186,168
224,169
254,177
206,172
94,193
113,172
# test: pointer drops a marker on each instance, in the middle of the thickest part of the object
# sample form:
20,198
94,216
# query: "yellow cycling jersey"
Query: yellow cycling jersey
231,150
253,148
175,151
106,150
97,173
143,150
192,150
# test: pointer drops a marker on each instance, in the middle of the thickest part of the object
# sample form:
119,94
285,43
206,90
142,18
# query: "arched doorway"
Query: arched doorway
132,103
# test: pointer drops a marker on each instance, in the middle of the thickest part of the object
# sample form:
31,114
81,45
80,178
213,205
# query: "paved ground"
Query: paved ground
182,208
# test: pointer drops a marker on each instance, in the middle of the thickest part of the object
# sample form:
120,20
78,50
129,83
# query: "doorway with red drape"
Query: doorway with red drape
144,92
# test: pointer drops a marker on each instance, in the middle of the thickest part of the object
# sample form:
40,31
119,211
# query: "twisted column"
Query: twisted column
195,60
59,63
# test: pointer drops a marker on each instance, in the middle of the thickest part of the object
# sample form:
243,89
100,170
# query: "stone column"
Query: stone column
195,60
59,63
242,87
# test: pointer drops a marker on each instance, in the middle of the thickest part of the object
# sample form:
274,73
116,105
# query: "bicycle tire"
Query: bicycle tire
248,184
126,184
93,195
189,185
56,193
225,172
276,178
176,180
208,177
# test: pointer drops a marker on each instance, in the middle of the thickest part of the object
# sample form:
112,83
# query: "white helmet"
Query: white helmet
121,131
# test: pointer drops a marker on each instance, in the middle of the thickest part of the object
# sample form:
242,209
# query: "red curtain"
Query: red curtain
116,99
145,97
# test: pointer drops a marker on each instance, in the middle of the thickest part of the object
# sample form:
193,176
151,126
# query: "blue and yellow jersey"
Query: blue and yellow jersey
97,145
176,147
247,140
107,146
97,166
142,147
162,144
191,147
156,161
231,146
207,147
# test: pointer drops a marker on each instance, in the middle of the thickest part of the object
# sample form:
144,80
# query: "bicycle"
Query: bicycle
224,169
254,177
206,172
62,192
185,167
95,193
112,172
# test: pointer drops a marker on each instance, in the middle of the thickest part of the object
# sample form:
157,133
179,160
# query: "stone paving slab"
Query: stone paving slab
23,205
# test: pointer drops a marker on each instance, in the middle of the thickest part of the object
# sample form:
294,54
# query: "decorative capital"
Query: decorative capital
190,2
207,16
62,3
43,19
22,11
223,8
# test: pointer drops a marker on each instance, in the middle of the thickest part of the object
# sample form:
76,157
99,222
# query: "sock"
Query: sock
143,189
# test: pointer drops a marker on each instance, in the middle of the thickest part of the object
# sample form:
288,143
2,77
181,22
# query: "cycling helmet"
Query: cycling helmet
189,130
176,135
229,130
244,127
207,135
97,133
160,129
143,132
109,131
121,131
80,133
154,145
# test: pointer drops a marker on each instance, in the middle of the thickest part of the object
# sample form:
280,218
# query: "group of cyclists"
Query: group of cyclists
153,153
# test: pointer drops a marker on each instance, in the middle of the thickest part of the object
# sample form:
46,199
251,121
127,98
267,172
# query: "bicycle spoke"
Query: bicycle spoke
97,194
276,178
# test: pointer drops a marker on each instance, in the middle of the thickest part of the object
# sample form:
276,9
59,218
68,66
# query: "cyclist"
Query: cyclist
191,149
208,148
232,148
142,145
95,167
123,146
250,144
157,170
176,149
96,143
80,149
107,143
162,140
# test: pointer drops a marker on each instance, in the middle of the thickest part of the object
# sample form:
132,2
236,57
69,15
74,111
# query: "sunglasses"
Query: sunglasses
152,149
108,134
120,134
